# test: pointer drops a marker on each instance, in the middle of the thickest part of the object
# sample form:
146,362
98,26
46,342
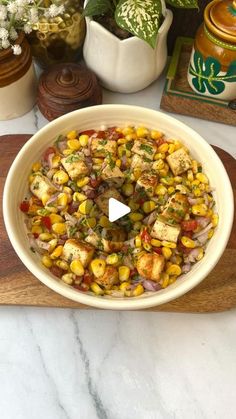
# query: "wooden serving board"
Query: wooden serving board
178,97
19,287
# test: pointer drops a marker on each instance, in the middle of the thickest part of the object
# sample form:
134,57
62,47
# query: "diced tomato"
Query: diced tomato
145,236
95,182
49,150
160,141
184,249
189,225
157,250
82,287
87,278
46,221
101,134
133,272
88,132
141,201
35,235
24,206
113,134
58,272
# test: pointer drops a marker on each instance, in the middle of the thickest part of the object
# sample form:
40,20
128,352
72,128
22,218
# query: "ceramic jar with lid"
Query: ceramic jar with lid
66,87
18,83
212,68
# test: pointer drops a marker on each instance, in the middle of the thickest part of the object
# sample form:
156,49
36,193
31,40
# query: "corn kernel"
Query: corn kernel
36,220
112,259
45,198
130,137
122,141
98,161
178,259
214,220
155,135
167,252
194,166
174,270
133,205
96,289
98,267
31,178
171,245
46,261
160,190
171,148
36,166
45,237
148,206
187,242
164,280
83,139
77,196
137,225
51,209
62,199
210,233
124,273
128,189
67,278
172,279
190,175
74,144
91,222
53,244
71,135
137,173
147,247
62,264
178,179
135,216
164,171
55,218
200,254
127,130
171,190
209,213
177,144
197,192
36,229
125,285
60,177
202,178
77,267
118,162
200,210
104,222
155,243
122,151
82,182
167,180
163,148
86,206
159,156
138,290
55,161
59,228
56,252
142,132
138,241
67,151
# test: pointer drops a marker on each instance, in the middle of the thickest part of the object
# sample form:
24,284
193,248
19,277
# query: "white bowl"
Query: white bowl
93,117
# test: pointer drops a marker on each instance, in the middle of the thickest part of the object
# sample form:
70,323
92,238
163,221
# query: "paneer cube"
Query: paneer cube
101,147
77,249
145,148
176,208
109,278
163,231
147,183
75,166
113,176
141,163
179,161
111,240
41,185
102,200
150,266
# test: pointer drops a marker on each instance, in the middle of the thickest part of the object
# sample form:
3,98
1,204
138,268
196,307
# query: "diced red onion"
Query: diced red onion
52,199
202,232
117,294
186,268
151,218
123,162
72,221
61,242
192,201
62,145
42,245
33,244
86,151
192,256
151,285
202,239
130,243
50,157
202,221
128,262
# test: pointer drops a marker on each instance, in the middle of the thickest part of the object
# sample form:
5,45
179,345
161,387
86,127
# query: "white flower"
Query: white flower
33,15
3,12
27,28
16,49
5,43
3,33
12,7
54,10
13,34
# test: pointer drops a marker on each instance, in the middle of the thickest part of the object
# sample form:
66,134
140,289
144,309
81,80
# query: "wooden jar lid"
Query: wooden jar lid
66,87
223,16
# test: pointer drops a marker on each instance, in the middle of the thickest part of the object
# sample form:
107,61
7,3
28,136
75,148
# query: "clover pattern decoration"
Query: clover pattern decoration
206,75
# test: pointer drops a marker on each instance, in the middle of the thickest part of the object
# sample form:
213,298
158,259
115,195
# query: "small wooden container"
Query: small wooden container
64,88
212,69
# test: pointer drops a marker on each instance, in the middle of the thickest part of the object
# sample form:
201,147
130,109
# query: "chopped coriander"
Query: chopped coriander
72,158
72,230
59,138
32,249
146,148
146,159
36,186
129,146
102,142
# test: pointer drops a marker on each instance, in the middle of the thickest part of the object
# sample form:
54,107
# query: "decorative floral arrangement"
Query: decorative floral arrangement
20,16
138,17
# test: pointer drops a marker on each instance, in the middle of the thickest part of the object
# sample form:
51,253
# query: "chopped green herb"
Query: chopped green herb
59,138
36,186
146,159
146,148
32,249
129,145
43,212
72,158
102,142
72,230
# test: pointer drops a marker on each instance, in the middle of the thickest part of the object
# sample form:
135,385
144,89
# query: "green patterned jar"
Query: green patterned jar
212,67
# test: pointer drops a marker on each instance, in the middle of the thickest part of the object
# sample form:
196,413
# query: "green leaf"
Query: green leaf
97,7
141,18
184,4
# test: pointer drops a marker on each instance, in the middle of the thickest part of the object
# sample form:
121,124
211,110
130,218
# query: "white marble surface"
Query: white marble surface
72,364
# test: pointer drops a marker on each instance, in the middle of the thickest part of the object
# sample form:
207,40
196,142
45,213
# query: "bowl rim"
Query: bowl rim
133,303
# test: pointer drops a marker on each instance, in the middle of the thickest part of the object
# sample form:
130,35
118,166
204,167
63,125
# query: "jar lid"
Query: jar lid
66,87
223,16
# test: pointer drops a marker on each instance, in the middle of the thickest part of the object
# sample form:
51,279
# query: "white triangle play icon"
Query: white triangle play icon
117,210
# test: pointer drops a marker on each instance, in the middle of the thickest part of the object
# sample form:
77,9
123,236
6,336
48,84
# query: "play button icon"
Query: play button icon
116,210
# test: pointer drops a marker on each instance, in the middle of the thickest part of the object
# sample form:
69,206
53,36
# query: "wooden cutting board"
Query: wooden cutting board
19,287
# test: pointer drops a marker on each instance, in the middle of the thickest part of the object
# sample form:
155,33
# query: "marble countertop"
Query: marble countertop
74,364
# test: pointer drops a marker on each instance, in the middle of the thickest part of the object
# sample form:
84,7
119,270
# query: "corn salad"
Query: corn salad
172,214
